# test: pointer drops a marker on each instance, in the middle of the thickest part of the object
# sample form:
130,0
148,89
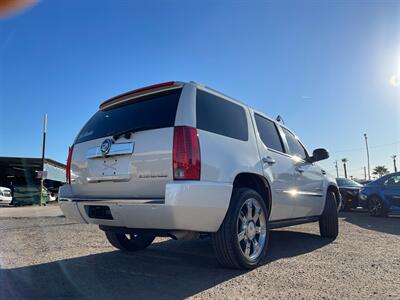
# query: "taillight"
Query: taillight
186,154
68,168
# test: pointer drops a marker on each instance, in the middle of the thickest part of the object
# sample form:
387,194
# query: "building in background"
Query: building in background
20,174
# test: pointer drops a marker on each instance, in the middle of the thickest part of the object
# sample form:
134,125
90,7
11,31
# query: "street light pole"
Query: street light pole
344,161
337,169
394,162
366,145
43,158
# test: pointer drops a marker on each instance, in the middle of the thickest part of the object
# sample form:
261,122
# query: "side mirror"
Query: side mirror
319,154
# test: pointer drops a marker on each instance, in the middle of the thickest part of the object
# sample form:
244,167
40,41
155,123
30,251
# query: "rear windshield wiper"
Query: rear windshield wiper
127,133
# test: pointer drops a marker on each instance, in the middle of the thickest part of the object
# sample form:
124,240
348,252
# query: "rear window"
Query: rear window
220,116
157,111
269,133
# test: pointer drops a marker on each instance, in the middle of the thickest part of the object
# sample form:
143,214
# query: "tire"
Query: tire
328,222
376,207
135,242
241,241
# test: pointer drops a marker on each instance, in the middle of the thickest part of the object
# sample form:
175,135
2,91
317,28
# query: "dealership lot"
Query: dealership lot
50,256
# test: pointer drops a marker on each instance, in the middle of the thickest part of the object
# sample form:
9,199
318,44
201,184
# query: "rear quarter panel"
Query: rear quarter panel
222,158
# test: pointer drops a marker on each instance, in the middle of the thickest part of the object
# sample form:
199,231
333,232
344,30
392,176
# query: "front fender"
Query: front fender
331,184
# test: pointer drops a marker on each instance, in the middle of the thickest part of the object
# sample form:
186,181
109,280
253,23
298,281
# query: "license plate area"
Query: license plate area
109,168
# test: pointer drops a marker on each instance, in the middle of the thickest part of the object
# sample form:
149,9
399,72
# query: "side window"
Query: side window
295,148
393,180
269,133
220,116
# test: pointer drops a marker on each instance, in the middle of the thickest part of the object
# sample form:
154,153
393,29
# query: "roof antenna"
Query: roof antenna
280,120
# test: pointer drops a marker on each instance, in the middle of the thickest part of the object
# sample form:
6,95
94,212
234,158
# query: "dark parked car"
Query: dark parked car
349,190
382,196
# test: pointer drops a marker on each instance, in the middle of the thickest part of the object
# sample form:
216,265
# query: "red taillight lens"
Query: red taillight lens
186,154
68,168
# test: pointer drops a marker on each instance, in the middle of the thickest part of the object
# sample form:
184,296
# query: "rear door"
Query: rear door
308,179
277,168
125,151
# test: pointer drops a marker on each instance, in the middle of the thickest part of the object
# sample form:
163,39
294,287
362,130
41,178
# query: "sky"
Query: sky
327,67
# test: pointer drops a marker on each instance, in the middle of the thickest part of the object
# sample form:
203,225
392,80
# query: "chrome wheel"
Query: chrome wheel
251,229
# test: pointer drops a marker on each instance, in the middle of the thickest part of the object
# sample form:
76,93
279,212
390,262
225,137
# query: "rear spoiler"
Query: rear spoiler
131,95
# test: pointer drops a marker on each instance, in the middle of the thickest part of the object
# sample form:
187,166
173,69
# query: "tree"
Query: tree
380,171
344,161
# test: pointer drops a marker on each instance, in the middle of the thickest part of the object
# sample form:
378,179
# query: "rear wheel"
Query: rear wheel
328,223
129,242
376,207
242,239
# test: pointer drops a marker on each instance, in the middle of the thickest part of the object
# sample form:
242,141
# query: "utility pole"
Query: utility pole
394,162
366,145
43,157
345,160
337,169
365,173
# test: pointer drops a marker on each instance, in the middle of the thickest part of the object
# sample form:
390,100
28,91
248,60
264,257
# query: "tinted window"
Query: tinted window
393,180
220,116
156,112
295,148
269,133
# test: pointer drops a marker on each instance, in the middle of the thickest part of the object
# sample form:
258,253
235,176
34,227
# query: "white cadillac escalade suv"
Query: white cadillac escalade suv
182,160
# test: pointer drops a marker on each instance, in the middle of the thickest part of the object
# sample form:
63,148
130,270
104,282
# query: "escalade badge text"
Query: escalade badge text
105,146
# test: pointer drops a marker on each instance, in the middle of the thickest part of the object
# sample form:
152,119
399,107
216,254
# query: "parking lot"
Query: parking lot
52,257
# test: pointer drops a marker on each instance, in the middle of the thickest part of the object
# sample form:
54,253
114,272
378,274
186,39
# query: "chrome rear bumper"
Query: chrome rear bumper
190,205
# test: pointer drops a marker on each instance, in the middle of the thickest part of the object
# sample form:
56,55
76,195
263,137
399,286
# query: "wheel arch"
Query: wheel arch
375,195
334,189
256,182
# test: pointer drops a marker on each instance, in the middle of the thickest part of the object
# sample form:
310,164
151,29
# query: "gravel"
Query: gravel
52,257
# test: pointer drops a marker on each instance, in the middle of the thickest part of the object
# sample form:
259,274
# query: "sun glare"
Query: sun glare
395,80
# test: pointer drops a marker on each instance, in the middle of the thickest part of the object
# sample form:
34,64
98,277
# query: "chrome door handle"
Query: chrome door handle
300,169
268,160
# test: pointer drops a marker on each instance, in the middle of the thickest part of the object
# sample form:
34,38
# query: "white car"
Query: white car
5,195
51,196
180,159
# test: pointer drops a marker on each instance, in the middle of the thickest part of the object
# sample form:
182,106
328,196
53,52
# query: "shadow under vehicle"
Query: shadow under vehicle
155,273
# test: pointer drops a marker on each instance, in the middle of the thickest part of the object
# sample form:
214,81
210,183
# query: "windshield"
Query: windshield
156,112
347,182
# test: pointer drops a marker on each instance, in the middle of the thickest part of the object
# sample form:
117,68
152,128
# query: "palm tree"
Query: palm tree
380,171
344,161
